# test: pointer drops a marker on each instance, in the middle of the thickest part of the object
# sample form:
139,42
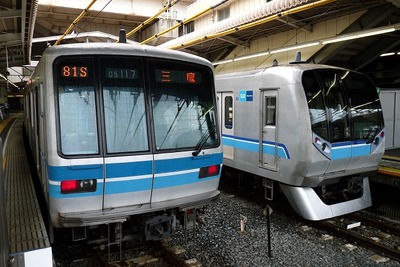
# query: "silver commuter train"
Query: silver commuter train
317,130
123,133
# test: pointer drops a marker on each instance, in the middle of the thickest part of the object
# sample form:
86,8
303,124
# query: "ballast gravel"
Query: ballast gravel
235,233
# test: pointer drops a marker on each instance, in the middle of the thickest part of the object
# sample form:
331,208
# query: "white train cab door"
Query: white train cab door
226,109
268,145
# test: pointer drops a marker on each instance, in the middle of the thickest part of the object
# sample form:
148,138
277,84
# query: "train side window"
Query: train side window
365,107
337,105
76,106
316,105
228,118
270,111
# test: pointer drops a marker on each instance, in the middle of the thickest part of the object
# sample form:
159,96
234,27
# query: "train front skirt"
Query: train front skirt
306,202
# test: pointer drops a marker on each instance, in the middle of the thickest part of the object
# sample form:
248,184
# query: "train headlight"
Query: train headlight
317,141
376,141
78,186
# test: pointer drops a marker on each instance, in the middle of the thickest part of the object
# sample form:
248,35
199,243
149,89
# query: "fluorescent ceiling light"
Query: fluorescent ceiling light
293,47
339,38
224,61
357,35
251,56
388,54
260,54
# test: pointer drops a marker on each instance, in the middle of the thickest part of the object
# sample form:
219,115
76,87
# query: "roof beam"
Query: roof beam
10,14
383,45
234,41
10,37
366,21
291,21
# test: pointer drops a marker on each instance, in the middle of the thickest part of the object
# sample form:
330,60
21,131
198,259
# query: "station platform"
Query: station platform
389,169
28,242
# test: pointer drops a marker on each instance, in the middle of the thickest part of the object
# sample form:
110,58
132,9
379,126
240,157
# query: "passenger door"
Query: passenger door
226,109
268,145
128,162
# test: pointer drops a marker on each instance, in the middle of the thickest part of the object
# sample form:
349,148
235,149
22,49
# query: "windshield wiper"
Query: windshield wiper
203,140
180,106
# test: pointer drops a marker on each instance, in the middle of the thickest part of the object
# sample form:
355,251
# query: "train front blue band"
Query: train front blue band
348,150
134,176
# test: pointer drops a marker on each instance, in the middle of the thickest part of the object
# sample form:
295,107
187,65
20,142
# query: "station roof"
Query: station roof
23,20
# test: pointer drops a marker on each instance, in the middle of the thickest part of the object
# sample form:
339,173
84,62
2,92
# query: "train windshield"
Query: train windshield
102,105
182,103
77,107
345,102
365,106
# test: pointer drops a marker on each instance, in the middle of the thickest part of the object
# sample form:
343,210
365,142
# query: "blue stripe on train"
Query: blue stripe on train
136,185
253,145
345,150
61,173
182,164
339,150
134,176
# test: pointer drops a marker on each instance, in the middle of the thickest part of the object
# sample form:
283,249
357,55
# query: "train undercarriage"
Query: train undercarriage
136,229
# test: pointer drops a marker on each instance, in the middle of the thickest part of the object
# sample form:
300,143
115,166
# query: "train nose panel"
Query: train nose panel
128,181
309,205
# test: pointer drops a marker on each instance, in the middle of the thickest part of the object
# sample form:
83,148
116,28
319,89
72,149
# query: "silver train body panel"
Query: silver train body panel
128,182
267,131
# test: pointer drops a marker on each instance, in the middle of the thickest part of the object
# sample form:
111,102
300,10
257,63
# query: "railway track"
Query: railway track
148,254
367,230
364,229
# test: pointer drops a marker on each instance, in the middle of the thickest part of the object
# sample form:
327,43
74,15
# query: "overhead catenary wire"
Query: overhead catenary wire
88,22
83,13
183,22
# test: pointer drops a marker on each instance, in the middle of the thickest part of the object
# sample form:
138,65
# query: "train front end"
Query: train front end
133,137
344,147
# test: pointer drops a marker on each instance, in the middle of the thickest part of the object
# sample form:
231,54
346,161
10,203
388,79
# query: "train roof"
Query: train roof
121,49
292,67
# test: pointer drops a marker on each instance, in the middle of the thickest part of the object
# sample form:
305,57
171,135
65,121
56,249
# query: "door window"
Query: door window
124,105
228,118
270,111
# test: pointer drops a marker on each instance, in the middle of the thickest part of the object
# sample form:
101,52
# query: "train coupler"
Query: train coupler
355,185
159,227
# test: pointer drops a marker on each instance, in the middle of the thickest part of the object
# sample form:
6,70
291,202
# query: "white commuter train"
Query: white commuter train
316,130
123,135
